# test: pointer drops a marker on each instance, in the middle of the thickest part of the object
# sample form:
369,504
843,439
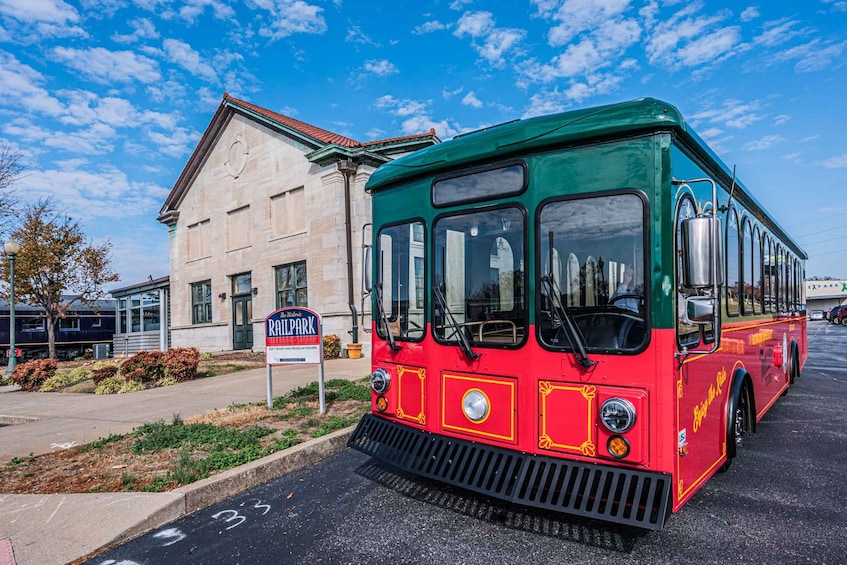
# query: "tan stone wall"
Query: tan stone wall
274,163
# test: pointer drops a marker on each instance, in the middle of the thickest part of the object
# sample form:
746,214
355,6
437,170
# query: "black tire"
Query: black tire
740,408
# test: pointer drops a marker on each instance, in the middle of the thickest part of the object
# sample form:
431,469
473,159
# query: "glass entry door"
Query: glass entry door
242,312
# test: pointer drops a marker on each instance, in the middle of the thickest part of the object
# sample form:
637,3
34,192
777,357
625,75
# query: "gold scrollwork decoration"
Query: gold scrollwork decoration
588,392
400,413
588,449
545,388
544,442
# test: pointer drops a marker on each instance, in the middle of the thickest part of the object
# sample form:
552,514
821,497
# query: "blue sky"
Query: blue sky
106,99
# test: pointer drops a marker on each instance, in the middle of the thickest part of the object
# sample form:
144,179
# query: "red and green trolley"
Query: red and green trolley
583,312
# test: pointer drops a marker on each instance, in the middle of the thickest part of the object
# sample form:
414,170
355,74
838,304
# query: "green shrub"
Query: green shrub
181,363
33,374
62,379
131,386
144,366
110,385
117,385
166,381
103,371
332,346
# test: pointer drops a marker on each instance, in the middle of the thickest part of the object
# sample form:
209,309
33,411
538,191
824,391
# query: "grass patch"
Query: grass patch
163,455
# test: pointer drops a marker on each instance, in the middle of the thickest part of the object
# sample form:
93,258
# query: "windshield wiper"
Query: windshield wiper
383,317
564,318
464,344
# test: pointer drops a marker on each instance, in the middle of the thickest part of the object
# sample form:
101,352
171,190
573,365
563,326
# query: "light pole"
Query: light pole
12,248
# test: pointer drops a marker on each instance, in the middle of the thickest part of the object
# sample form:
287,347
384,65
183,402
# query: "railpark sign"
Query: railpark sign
293,335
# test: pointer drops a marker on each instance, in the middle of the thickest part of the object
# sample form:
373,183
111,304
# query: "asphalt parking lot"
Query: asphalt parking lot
784,500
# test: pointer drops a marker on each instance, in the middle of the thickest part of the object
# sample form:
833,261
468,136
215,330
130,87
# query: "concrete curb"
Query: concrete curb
201,494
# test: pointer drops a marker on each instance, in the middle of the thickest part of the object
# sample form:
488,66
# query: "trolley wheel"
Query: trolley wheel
739,422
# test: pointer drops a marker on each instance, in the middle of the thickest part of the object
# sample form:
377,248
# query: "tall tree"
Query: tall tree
57,266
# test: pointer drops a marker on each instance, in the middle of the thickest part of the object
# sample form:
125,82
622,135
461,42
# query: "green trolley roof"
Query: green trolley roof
520,137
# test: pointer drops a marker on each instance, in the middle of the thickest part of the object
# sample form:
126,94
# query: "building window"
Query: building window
198,240
238,228
32,325
288,212
242,283
201,302
291,285
69,324
150,311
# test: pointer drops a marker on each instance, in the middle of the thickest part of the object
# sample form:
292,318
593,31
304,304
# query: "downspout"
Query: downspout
348,169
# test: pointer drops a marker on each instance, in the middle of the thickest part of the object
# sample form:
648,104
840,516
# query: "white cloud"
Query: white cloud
471,100
491,42
816,55
416,116
32,20
779,32
448,94
178,142
182,54
143,29
194,8
380,68
94,195
749,14
428,27
577,16
96,139
292,16
23,85
474,24
837,162
104,66
34,11
765,142
356,35
544,103
687,39
733,113
781,119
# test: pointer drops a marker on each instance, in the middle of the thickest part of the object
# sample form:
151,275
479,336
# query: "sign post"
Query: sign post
294,335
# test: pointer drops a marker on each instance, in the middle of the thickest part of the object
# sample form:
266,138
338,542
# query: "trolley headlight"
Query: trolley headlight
475,405
618,415
380,381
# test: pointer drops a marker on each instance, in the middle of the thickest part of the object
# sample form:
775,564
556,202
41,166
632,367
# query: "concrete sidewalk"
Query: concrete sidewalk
59,528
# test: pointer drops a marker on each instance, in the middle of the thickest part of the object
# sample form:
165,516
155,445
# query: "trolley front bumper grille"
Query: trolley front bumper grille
613,494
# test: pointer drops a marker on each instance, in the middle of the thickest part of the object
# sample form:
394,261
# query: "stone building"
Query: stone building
269,212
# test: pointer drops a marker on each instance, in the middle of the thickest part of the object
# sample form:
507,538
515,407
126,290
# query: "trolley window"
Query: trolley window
592,260
401,276
482,184
479,271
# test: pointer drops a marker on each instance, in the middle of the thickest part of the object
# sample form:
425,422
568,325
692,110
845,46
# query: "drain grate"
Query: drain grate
613,494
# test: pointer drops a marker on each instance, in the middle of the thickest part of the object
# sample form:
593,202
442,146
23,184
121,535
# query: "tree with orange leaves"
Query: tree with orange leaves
57,266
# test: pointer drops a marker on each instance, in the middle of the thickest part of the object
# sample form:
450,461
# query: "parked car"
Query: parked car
840,315
816,315
830,314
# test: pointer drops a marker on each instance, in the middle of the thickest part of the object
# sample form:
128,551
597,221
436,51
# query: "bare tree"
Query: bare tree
57,265
11,168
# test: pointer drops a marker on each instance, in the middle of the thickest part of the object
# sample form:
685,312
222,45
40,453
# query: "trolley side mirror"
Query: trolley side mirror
701,252
700,309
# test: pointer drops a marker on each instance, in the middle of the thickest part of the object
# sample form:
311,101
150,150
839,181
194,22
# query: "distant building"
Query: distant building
141,317
269,212
823,295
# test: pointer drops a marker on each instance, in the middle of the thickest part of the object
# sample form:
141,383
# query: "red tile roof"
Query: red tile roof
314,132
